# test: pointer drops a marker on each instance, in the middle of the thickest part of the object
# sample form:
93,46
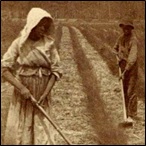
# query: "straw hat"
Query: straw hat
126,22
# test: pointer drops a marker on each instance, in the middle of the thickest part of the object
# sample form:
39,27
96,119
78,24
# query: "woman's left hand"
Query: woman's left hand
42,99
51,83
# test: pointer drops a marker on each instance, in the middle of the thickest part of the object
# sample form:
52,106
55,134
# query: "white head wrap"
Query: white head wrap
33,18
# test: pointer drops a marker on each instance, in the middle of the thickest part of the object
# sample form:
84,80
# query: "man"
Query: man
126,49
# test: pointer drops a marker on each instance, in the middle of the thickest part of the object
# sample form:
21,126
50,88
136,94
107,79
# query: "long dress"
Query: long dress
25,124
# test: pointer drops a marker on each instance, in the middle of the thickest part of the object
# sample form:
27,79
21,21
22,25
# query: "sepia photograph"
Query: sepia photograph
73,73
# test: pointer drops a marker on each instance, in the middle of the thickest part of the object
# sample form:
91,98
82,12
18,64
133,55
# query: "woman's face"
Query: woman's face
40,29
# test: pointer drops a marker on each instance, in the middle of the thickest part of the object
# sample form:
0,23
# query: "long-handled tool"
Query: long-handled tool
126,123
49,119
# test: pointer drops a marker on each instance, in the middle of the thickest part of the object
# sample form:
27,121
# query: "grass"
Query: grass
105,129
100,47
10,30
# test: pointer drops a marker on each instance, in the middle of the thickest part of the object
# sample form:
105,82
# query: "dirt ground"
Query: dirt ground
70,102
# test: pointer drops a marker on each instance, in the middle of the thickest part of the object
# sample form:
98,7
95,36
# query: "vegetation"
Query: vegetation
101,10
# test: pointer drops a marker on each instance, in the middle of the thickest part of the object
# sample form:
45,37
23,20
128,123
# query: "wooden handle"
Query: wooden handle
50,120
122,92
123,96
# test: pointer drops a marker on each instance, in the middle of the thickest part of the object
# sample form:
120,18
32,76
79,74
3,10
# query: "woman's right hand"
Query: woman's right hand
8,76
25,93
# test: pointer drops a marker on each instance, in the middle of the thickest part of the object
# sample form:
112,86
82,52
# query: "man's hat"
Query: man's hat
127,22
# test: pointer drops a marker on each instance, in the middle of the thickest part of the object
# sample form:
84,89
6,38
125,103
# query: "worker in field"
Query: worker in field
38,60
126,49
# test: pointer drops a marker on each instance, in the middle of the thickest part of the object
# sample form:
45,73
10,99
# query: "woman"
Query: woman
38,61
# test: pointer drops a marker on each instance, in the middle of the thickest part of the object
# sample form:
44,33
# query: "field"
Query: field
87,103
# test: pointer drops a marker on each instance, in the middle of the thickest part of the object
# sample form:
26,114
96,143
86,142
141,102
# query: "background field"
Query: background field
87,101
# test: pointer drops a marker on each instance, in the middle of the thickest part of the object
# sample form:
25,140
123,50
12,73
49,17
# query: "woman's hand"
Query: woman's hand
25,93
42,99
8,76
50,84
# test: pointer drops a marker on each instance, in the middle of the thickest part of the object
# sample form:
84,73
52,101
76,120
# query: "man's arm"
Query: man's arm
132,55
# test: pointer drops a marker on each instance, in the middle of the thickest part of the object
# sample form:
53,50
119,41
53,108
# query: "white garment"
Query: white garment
19,50
33,18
